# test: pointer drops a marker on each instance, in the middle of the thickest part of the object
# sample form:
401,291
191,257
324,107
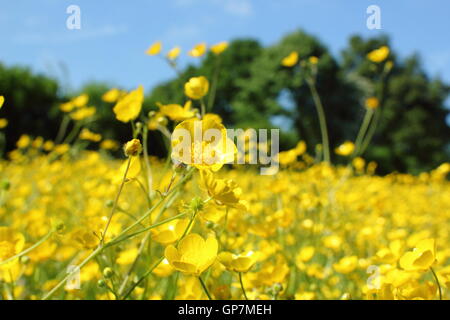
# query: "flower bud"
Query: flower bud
5,185
101,283
108,272
132,148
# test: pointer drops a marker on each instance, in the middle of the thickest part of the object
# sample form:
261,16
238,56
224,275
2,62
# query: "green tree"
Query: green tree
30,104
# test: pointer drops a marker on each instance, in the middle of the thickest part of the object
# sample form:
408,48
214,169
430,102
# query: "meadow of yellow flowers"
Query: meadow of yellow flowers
79,224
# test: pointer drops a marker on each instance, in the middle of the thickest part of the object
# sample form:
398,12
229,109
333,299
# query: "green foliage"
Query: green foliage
30,104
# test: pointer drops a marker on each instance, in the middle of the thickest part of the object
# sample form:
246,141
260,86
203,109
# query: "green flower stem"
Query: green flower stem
116,200
362,131
204,288
322,120
147,164
62,129
437,282
215,81
73,134
242,285
149,271
203,107
24,252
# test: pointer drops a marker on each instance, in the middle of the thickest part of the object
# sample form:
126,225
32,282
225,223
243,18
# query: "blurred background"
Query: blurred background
43,63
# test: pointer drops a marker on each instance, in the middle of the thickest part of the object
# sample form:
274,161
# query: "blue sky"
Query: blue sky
114,34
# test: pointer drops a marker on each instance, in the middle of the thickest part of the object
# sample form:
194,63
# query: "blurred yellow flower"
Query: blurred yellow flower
219,48
378,55
80,101
109,144
372,103
130,105
313,60
290,60
193,255
83,113
87,134
345,149
2,100
238,263
173,53
198,50
176,112
154,49
112,95
3,123
346,264
197,87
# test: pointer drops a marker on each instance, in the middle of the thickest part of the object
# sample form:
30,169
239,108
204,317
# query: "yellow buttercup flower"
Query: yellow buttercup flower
83,113
345,149
421,258
194,254
23,142
290,60
201,152
198,50
176,112
3,123
11,243
219,48
346,264
87,134
130,105
170,232
238,263
80,101
378,55
109,144
224,192
112,95
372,103
197,87
67,106
173,53
2,100
164,269
313,60
154,49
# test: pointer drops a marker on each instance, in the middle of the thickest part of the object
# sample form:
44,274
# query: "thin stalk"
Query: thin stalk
437,282
116,200
362,131
242,286
204,288
322,120
62,129
215,80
